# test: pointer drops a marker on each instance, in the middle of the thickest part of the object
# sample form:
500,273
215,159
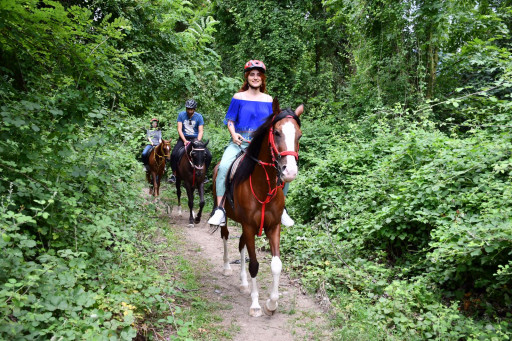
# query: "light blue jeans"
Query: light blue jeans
228,157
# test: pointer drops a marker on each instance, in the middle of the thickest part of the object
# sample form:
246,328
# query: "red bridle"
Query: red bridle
273,148
271,191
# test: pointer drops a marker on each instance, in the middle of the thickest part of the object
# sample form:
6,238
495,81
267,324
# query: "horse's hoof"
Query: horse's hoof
255,312
197,221
227,272
244,289
268,311
190,225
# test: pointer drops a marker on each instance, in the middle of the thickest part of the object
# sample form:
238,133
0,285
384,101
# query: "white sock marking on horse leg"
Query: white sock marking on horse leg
255,306
227,267
244,286
276,267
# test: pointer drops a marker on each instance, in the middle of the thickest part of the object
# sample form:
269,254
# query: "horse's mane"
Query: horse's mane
246,166
196,144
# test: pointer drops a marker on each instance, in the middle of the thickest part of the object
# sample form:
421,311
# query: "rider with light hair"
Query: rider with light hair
154,137
249,108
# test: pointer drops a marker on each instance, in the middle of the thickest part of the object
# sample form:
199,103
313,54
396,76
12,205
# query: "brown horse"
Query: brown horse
269,161
159,155
192,170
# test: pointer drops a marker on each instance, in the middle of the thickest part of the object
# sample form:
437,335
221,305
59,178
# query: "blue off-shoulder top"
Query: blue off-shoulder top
247,115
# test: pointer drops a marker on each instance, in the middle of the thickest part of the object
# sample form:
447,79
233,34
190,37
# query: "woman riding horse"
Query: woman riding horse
155,138
249,108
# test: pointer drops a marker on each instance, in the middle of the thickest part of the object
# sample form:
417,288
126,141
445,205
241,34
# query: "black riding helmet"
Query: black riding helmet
190,104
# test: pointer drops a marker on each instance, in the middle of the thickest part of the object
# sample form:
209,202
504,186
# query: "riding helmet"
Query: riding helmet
154,119
255,64
190,104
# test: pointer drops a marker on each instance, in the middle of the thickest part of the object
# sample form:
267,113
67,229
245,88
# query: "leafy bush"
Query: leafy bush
416,217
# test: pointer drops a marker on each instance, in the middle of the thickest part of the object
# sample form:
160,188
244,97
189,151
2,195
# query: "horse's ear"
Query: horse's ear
299,110
275,106
207,143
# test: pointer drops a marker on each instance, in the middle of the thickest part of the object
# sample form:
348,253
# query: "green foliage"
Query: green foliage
293,39
75,242
405,181
410,202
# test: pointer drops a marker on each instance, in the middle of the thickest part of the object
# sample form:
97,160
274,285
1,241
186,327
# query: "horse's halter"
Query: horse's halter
276,156
275,153
191,154
165,156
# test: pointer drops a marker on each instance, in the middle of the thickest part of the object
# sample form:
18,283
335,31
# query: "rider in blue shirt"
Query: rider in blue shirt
249,108
190,127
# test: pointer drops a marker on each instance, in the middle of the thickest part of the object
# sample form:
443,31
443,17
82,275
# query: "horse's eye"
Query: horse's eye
277,133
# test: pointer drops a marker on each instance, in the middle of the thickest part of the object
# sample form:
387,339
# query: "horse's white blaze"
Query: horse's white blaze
276,266
290,172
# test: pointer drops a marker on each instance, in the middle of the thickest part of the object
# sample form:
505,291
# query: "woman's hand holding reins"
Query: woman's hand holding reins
237,138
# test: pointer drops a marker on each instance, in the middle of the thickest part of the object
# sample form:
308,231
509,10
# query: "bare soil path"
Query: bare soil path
298,317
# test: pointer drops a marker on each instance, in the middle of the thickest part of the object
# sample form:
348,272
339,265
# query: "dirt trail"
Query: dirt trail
298,316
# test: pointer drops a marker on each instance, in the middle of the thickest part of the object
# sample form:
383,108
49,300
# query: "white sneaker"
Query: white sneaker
286,220
218,218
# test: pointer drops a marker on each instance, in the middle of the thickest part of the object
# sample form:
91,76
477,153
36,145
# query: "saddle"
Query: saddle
230,183
145,159
176,158
180,154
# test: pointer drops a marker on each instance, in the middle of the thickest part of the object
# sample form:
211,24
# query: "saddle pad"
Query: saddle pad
229,179
234,166
180,154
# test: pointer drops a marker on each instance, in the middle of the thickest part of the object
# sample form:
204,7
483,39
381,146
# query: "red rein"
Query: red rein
272,191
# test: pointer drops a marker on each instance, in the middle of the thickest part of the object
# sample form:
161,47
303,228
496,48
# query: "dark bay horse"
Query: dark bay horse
192,170
269,161
157,159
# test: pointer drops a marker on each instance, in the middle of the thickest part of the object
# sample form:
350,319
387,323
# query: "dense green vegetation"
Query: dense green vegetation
403,201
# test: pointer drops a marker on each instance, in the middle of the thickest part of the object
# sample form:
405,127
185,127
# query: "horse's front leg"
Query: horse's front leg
150,182
201,203
255,309
224,234
155,188
178,193
276,266
244,285
190,195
